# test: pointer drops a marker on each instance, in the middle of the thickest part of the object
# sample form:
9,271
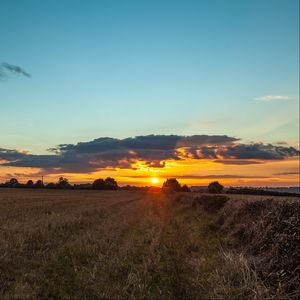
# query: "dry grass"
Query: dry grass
236,279
91,244
261,254
267,231
115,245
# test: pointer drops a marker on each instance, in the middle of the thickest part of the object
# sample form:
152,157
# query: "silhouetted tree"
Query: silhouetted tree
107,184
63,183
51,185
39,184
99,184
29,183
13,182
215,187
171,185
185,188
83,186
111,184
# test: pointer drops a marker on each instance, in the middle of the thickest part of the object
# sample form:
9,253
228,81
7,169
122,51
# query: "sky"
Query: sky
159,71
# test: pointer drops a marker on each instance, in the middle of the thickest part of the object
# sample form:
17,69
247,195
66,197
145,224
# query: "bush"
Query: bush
185,188
215,187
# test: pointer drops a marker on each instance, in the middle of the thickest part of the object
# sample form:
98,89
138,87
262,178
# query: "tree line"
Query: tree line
172,184
63,183
109,183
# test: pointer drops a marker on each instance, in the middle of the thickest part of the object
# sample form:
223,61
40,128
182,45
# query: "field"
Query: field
123,244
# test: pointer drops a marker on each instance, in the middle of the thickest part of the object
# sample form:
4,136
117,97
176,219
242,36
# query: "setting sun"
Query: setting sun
154,180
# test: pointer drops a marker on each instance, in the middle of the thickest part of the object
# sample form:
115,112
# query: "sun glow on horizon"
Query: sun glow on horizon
189,171
154,180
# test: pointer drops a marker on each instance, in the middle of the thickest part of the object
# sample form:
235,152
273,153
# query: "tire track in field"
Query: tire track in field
157,255
169,265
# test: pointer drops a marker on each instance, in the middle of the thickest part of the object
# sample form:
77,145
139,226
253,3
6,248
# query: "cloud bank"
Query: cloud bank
152,150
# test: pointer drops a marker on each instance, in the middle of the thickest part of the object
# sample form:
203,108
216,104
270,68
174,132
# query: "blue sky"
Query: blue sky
127,68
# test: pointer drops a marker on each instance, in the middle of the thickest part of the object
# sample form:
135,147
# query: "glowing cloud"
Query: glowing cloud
144,152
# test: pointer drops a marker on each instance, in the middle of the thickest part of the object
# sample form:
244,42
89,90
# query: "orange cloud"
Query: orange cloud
195,160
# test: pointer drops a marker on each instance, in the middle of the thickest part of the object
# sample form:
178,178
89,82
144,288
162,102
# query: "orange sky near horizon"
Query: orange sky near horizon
189,171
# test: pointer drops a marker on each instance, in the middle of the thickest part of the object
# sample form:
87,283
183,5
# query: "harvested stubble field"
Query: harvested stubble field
120,244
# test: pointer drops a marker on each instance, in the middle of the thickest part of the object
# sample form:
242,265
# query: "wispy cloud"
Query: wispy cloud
287,173
271,98
237,162
13,69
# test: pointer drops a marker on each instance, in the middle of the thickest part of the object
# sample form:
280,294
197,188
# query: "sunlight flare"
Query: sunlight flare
154,180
